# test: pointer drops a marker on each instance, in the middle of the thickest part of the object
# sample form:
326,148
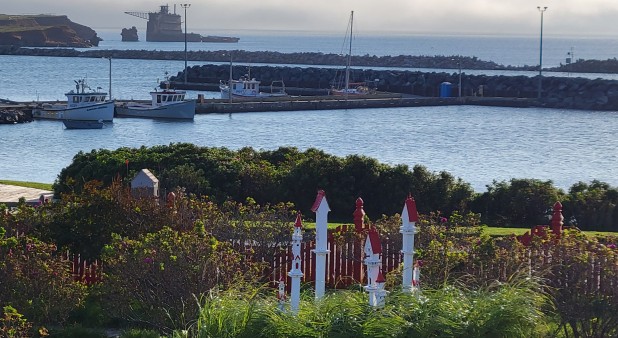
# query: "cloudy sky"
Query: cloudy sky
487,17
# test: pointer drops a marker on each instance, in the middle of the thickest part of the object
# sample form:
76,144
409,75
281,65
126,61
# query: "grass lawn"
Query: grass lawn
35,185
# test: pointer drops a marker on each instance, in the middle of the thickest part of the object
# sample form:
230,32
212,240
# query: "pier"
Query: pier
326,102
223,106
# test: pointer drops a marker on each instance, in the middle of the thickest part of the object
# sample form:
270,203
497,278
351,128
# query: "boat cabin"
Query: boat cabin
168,96
84,99
245,86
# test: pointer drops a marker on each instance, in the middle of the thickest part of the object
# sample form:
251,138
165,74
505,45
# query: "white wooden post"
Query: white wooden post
373,260
321,209
409,217
416,281
296,274
281,295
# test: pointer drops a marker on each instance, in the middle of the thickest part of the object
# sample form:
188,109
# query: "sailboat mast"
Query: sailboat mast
347,66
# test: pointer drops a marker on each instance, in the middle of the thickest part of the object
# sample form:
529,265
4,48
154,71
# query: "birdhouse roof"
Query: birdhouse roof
411,208
374,240
318,200
299,222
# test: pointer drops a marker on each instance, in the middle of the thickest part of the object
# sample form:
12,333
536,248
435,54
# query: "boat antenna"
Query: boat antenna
347,67
229,84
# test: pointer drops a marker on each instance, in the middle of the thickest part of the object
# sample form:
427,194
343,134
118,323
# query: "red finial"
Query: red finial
299,222
411,206
557,219
359,215
318,200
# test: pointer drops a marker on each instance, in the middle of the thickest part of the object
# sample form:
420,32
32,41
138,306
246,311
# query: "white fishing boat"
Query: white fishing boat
246,87
166,104
348,88
81,105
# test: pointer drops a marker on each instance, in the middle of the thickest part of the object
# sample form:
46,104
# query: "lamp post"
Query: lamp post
542,10
185,6
110,75
459,67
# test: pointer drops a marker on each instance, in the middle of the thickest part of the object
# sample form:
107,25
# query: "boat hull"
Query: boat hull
80,124
101,111
184,110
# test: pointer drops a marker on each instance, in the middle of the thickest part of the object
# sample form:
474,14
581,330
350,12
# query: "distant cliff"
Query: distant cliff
45,31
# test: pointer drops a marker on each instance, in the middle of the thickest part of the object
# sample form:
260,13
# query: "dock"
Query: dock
223,106
324,102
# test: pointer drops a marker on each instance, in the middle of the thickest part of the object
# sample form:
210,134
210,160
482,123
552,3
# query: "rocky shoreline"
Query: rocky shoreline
13,116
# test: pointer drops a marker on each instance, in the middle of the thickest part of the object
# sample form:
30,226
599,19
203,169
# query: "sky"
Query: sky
441,17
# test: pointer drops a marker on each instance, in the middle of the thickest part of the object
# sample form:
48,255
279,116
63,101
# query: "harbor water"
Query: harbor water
477,144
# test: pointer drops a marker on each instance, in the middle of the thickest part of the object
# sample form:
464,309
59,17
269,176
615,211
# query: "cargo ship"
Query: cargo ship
164,26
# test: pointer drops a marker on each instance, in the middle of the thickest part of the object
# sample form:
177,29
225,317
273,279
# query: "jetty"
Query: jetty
300,103
326,102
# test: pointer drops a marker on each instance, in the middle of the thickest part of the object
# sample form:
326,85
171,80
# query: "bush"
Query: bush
36,280
155,280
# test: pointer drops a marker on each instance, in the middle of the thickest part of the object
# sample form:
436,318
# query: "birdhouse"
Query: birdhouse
145,184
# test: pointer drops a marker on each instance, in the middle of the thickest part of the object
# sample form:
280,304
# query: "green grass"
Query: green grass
35,185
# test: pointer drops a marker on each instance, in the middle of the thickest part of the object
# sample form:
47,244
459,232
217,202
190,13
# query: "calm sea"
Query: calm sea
478,144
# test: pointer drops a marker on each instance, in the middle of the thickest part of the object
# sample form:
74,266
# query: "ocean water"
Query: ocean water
477,144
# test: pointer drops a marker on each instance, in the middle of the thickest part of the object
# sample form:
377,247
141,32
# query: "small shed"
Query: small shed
145,184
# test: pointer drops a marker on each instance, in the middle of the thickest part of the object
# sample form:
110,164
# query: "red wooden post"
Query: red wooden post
359,216
557,220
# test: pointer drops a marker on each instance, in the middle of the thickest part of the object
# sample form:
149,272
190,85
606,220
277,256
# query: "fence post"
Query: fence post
557,220
409,217
321,209
373,260
295,273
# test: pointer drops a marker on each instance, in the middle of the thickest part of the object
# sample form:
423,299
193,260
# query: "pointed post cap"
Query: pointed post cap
318,200
411,206
359,215
299,222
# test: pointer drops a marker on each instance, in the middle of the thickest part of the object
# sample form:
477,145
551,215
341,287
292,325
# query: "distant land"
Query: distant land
45,31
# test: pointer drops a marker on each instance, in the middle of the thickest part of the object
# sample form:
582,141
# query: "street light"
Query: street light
542,10
185,6
110,75
459,67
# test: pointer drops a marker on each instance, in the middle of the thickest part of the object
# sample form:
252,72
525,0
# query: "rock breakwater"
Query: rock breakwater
558,92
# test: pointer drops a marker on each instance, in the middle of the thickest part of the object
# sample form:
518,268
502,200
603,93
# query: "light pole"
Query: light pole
110,75
459,67
185,6
542,10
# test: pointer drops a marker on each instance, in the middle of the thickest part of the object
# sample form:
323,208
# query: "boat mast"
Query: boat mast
347,66
229,83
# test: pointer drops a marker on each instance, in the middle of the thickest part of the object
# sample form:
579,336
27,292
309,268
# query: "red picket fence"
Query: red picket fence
344,263
82,270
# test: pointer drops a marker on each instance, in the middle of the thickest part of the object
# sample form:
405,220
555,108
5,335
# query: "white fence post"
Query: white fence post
295,273
321,209
409,217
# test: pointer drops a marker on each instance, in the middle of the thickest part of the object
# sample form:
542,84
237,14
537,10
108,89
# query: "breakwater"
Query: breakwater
557,92
241,56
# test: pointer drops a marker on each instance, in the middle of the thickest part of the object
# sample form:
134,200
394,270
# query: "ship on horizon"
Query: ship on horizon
164,26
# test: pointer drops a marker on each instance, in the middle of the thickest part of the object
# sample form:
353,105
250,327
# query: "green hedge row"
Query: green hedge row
290,175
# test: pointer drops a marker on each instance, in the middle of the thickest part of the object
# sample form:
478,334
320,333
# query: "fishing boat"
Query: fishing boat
247,87
166,104
349,88
80,124
83,104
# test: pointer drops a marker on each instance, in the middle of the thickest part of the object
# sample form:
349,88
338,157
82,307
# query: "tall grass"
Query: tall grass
500,311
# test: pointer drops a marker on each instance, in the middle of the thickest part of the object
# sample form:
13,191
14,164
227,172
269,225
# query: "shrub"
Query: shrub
13,324
36,280
155,280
